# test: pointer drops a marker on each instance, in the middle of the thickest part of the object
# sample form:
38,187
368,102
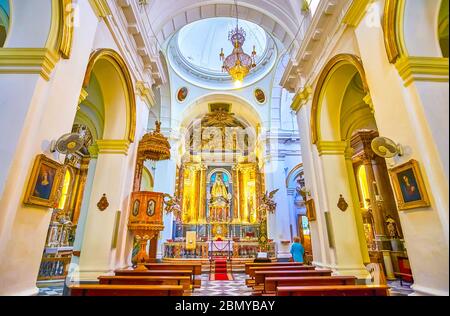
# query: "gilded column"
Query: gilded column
84,167
235,194
202,202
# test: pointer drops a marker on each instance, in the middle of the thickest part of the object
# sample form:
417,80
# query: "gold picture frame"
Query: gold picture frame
409,187
44,184
311,210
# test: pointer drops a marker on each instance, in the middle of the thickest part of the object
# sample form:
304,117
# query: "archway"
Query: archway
106,120
269,16
343,126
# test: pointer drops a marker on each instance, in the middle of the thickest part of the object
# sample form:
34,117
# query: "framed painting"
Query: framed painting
182,94
260,96
409,188
44,185
311,210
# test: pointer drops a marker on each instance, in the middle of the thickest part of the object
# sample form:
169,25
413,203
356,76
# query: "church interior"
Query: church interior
224,148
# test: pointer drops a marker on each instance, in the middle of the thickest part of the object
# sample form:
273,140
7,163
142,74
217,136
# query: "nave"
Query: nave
224,147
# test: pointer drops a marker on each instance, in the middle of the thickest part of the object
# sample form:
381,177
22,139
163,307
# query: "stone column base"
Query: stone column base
360,272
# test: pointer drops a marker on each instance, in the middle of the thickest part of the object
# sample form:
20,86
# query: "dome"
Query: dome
194,52
200,42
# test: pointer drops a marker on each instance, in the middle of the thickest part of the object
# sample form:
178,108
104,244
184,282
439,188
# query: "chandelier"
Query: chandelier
238,64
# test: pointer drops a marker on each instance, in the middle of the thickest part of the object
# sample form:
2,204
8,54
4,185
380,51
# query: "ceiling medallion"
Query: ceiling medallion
238,64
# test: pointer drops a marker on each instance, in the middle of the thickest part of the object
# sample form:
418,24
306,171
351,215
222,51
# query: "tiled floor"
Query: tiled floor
236,287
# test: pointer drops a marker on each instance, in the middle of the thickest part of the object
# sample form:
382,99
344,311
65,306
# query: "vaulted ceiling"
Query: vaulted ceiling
281,18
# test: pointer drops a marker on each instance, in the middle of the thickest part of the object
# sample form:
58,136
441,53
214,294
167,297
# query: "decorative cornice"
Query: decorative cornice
40,61
331,148
101,8
356,12
431,69
113,146
301,98
145,93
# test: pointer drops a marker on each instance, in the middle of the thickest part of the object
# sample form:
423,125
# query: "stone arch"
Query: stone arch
292,175
199,107
117,89
338,72
215,170
411,29
272,18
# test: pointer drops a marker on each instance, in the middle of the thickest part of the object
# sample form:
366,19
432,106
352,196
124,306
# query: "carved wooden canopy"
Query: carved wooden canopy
154,146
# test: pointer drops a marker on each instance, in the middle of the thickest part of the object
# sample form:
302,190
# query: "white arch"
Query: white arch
269,14
240,106
215,170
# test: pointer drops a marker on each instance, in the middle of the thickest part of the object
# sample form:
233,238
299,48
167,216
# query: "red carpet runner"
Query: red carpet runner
221,271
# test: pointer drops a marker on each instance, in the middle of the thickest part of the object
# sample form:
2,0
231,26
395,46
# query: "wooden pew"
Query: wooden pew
260,276
271,283
195,267
125,290
335,290
270,264
184,281
144,273
253,270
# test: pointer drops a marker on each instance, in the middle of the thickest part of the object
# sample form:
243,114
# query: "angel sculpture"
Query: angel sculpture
267,202
172,205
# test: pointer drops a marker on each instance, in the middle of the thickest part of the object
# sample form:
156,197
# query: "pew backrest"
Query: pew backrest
125,290
270,264
271,283
184,281
260,276
335,290
195,267
252,270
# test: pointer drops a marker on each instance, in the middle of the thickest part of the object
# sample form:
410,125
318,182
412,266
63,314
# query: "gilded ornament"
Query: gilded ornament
342,204
103,203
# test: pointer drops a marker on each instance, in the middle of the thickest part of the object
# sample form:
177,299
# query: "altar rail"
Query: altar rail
242,249
54,268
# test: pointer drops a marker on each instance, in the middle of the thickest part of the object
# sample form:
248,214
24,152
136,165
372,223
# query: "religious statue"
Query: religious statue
267,202
392,227
219,204
219,190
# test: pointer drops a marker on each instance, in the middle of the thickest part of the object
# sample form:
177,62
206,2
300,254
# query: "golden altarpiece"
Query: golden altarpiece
219,186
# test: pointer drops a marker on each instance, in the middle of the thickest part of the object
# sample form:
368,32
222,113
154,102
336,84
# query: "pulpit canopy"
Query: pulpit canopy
154,146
